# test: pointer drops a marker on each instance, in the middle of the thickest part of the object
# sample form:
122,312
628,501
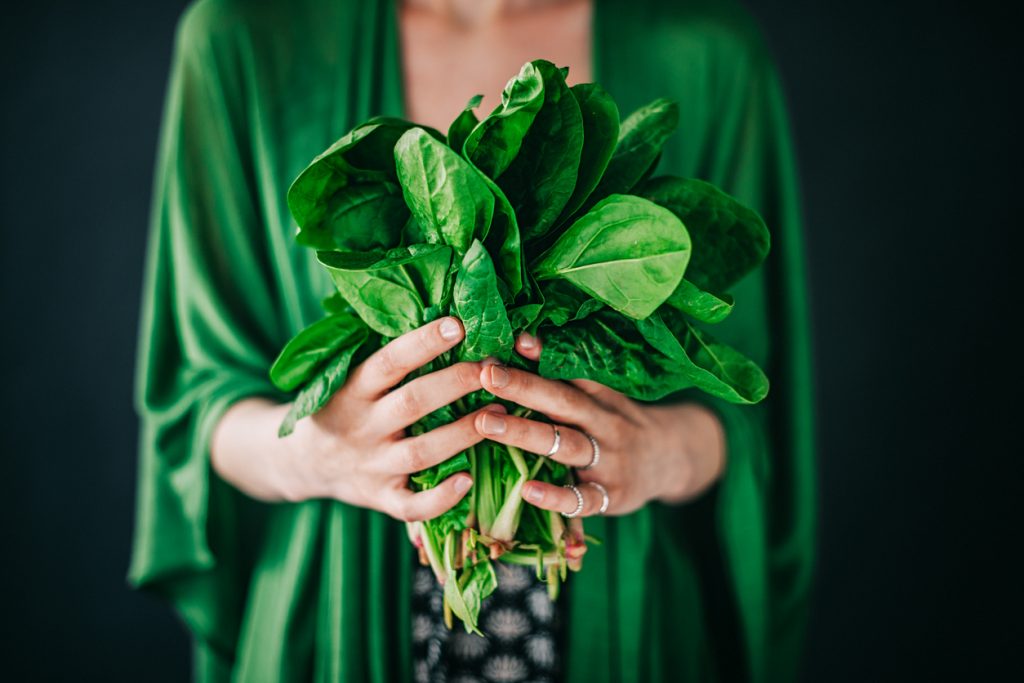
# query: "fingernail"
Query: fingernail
499,376
489,361
493,424
532,494
450,329
462,484
496,408
527,341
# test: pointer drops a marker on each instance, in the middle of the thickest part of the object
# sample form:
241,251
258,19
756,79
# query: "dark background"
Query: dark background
907,135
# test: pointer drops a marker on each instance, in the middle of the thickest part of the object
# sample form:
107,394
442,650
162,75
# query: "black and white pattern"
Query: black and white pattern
521,623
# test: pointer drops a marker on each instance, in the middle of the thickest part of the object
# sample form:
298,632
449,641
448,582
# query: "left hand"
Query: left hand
669,453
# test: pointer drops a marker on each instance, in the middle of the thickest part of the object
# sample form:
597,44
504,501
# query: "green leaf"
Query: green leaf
391,290
463,124
325,383
478,304
708,364
359,217
495,142
565,303
704,306
540,179
600,118
311,348
429,478
626,251
648,360
730,240
641,137
362,155
607,348
445,194
504,240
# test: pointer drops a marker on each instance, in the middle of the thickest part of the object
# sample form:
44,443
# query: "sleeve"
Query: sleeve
765,504
207,332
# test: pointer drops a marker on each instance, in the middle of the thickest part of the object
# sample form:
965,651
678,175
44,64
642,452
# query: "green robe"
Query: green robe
713,590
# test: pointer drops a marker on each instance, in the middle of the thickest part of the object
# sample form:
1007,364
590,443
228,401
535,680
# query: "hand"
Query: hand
355,449
666,453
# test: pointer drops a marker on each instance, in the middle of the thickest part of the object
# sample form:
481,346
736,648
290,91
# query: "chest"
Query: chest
444,64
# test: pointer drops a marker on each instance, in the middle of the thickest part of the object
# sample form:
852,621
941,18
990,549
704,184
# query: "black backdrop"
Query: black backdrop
907,135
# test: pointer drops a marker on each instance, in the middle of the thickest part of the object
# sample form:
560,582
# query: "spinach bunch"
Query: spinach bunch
541,217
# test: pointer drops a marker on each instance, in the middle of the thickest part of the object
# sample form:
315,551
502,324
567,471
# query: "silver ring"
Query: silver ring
556,444
596,457
604,497
579,502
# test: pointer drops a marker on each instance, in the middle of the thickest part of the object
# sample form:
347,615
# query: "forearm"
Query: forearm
246,451
696,441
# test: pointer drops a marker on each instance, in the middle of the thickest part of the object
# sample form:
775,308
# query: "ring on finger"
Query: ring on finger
595,455
579,502
556,444
604,497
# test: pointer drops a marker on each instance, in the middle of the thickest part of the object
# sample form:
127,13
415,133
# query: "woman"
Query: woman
284,557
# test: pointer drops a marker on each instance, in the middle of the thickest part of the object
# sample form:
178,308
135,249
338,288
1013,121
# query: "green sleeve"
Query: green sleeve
207,332
766,501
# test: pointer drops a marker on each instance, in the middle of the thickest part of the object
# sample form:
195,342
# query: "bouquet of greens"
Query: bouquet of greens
542,217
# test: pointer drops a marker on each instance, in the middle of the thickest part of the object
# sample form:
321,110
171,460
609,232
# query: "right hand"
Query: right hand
355,449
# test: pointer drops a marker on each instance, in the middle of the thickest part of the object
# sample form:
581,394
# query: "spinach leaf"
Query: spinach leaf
311,348
564,303
364,154
478,304
600,118
704,306
446,195
503,239
391,290
648,360
358,217
463,124
607,348
730,239
626,251
641,137
495,142
326,382
540,179
707,364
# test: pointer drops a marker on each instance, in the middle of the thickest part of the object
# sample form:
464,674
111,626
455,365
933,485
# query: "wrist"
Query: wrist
695,449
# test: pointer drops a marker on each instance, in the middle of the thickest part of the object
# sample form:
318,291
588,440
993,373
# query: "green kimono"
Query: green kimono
713,590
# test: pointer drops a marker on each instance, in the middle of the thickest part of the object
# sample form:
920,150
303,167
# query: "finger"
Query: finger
528,346
422,396
562,499
415,507
558,400
390,364
417,453
574,449
606,396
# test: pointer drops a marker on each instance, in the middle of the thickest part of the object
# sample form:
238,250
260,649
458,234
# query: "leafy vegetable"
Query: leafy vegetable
445,194
545,216
479,304
627,252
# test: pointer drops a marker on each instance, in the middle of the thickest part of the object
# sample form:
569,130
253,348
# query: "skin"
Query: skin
355,449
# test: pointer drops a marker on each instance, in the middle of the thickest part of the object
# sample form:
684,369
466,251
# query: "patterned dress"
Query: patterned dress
523,627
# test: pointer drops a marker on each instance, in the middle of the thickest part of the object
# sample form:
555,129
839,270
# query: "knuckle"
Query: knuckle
426,339
467,375
404,511
386,364
413,455
409,401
